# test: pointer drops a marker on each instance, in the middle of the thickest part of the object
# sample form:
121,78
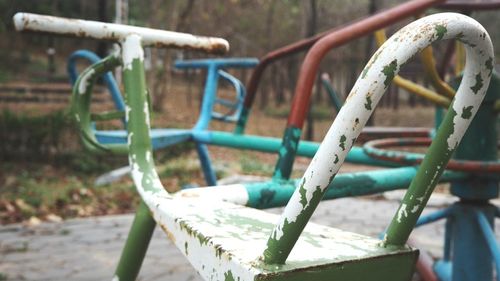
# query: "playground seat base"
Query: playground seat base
160,138
224,241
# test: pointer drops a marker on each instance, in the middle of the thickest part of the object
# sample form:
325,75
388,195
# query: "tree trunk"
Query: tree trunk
311,19
368,52
102,46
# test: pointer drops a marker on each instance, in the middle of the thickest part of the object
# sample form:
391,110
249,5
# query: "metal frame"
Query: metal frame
173,212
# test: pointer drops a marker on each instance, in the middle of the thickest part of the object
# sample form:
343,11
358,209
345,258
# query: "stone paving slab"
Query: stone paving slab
88,249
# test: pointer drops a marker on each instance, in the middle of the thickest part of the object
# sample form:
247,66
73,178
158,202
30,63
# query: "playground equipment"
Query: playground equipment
224,243
199,134
115,141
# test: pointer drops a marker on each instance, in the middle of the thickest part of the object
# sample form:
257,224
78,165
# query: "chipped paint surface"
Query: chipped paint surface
83,82
375,78
219,238
224,241
234,193
118,32
132,52
286,153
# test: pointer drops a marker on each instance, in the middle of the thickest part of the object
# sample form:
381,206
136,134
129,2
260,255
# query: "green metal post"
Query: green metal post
136,245
137,115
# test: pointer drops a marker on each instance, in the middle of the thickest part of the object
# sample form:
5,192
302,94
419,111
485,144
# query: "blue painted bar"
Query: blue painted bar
206,165
443,270
219,63
277,193
435,216
471,256
486,225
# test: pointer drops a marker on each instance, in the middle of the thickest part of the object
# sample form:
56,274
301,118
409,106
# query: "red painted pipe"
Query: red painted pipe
310,65
412,8
425,263
374,149
468,5
277,54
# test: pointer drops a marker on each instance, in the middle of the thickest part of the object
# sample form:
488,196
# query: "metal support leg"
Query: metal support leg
136,246
471,258
206,165
486,223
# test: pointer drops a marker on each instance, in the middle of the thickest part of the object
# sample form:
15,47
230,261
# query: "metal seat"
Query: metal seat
224,241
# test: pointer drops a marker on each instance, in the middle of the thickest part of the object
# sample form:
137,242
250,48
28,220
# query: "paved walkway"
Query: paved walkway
88,249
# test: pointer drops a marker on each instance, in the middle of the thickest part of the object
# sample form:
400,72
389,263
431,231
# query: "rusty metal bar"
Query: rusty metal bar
384,18
117,32
375,149
359,29
468,5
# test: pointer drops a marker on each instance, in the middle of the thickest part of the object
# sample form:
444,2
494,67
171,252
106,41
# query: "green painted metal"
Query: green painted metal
368,90
423,184
105,116
80,106
387,268
137,116
286,153
136,245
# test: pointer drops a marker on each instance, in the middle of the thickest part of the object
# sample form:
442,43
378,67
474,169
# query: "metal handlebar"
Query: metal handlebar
118,32
366,93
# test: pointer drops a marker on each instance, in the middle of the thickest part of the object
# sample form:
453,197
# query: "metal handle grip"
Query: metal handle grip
118,32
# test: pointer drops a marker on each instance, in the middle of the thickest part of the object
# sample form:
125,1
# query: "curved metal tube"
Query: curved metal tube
118,32
375,149
341,34
80,105
414,88
365,95
235,107
108,76
469,5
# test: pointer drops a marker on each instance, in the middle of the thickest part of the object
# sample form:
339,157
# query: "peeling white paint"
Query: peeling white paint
415,209
146,113
132,51
84,81
402,212
232,193
115,278
370,87
219,237
117,32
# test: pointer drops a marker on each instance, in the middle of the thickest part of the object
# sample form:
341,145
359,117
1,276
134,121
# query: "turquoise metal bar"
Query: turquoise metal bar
489,236
277,193
273,145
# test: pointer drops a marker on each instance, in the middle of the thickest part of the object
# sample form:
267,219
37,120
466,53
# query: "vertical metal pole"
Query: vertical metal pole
137,115
206,165
204,120
471,260
487,223
471,257
136,245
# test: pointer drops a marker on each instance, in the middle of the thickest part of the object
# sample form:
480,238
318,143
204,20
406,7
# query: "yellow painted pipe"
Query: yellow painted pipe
430,68
460,58
410,86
